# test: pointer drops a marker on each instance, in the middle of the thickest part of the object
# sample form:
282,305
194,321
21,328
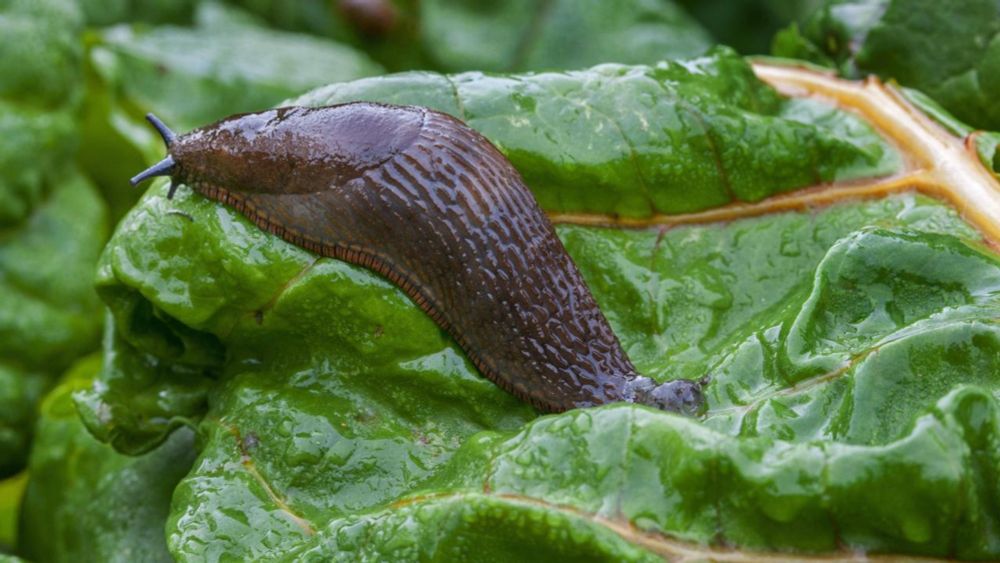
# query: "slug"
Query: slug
429,203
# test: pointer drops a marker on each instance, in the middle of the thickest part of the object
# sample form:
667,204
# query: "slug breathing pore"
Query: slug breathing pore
429,203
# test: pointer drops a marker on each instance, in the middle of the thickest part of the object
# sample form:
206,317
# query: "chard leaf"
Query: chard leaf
949,50
848,331
49,313
39,51
687,138
988,146
599,481
35,144
84,498
352,417
11,490
52,221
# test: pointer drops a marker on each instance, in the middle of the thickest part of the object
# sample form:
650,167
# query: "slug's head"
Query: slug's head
286,150
679,395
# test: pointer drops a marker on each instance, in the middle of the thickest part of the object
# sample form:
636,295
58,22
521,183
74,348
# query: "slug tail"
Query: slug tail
162,168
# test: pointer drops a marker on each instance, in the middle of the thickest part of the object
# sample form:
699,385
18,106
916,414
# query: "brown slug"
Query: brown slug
433,206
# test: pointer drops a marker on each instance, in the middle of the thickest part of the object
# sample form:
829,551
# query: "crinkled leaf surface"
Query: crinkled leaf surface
85,501
39,51
637,140
52,221
949,50
852,349
49,313
39,65
35,145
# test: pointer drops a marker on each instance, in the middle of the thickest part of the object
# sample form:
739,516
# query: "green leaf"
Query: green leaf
597,140
39,51
197,75
143,398
34,145
343,398
49,307
20,391
11,490
578,482
949,50
747,26
49,313
52,223
474,526
84,500
851,349
988,147
107,12
519,35
557,34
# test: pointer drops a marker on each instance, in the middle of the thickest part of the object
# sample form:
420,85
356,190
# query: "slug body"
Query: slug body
433,206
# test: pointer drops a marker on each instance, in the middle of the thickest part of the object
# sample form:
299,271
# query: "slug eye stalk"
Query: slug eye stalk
163,130
166,166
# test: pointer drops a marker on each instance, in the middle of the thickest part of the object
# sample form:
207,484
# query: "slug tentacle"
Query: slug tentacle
164,167
430,204
163,130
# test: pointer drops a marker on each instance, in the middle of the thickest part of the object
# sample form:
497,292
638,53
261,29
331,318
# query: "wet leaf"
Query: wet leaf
84,498
948,50
52,221
49,315
686,138
847,328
